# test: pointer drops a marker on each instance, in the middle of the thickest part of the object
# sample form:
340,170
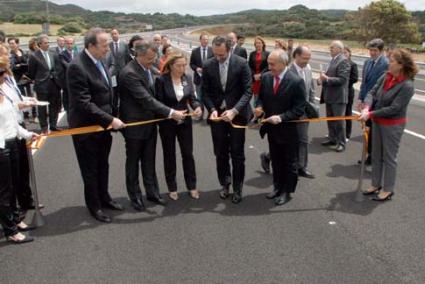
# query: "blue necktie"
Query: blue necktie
149,75
102,70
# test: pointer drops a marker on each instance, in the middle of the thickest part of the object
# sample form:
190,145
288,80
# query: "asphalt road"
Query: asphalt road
321,236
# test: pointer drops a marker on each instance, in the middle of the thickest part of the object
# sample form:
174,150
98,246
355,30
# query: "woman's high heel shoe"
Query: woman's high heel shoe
388,197
370,192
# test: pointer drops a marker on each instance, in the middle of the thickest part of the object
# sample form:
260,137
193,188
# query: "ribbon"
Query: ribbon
38,143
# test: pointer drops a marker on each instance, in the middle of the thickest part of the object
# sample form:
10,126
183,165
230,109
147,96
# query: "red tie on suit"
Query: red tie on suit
276,84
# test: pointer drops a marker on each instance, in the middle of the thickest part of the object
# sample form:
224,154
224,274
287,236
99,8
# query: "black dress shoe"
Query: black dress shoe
55,128
328,143
27,239
113,205
138,205
282,199
101,216
157,199
388,197
26,229
367,162
340,148
265,162
305,173
272,194
32,206
237,197
224,192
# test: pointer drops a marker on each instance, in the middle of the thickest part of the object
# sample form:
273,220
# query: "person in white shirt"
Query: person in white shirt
10,131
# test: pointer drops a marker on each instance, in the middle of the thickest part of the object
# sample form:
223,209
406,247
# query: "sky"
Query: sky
208,7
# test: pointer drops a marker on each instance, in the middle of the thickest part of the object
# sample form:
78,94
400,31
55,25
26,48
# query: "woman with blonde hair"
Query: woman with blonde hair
10,132
175,89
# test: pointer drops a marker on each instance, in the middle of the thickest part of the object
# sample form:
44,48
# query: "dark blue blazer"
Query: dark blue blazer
371,74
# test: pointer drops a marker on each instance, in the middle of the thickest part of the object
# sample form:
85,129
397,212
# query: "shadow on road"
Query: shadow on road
345,203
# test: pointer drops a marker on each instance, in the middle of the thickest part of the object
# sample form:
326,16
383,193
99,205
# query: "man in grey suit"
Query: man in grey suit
335,94
300,66
116,61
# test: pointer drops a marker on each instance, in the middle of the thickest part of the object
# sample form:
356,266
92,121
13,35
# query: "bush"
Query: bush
71,27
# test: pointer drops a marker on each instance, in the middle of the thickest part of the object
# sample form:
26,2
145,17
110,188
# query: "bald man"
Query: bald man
282,98
235,48
334,83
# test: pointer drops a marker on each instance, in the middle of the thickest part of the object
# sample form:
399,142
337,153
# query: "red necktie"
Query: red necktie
276,84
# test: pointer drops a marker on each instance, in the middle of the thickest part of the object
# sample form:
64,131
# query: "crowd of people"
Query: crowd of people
112,83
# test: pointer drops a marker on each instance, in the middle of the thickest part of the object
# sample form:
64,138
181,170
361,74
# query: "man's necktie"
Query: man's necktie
116,47
47,58
204,56
102,70
276,84
149,75
223,75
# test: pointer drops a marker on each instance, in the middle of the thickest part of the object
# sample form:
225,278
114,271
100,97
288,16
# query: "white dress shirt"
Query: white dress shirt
9,127
178,89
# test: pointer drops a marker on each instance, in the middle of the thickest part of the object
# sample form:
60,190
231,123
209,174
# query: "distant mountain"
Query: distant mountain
298,21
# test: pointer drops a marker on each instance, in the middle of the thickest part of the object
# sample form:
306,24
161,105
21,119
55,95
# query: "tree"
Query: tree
386,19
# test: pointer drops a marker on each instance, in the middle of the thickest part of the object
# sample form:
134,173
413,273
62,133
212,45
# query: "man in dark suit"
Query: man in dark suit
282,98
335,94
66,57
90,93
136,86
226,87
235,48
60,45
373,68
45,68
197,58
116,61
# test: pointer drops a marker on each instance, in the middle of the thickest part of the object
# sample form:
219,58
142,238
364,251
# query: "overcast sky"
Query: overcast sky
208,7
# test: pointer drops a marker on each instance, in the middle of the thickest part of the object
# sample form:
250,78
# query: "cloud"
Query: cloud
201,7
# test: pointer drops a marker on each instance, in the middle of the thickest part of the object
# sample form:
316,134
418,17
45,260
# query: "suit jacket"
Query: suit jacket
371,74
237,93
394,102
38,70
19,65
264,66
354,77
138,101
335,90
241,51
90,95
164,91
288,103
309,82
196,62
65,58
117,61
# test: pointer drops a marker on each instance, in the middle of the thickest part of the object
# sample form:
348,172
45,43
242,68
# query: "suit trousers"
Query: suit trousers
143,152
229,142
23,190
302,128
284,158
349,112
183,133
7,217
53,96
336,128
92,154
386,142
